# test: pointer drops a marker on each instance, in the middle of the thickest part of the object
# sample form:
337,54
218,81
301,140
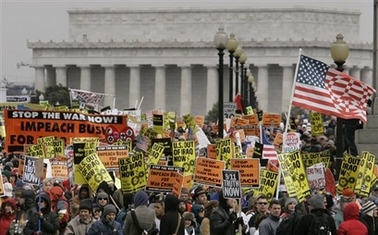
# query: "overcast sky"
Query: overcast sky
35,20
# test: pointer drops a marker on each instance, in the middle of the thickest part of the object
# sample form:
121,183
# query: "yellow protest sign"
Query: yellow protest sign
94,171
127,143
59,146
59,170
155,154
184,155
35,150
48,142
224,151
90,147
290,187
348,173
83,139
132,173
298,174
268,184
368,175
316,121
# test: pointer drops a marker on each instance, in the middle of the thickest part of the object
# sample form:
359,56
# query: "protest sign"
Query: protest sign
184,155
366,173
249,170
231,184
292,142
48,143
155,155
35,150
348,173
109,155
316,121
316,176
25,127
59,170
59,146
1,187
298,174
162,178
177,185
209,172
268,184
291,190
271,120
166,142
202,139
79,154
158,123
133,173
93,171
30,172
212,151
229,109
224,151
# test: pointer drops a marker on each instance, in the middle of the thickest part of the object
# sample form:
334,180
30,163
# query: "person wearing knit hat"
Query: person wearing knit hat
316,208
107,225
97,212
369,216
190,223
289,207
79,224
8,190
144,215
6,176
102,200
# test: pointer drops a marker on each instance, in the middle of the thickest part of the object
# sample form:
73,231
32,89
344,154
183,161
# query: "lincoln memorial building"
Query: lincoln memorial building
169,58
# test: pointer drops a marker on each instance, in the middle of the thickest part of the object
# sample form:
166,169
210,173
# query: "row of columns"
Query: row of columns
45,76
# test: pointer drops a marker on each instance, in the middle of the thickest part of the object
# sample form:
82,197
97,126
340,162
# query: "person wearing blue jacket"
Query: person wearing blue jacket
107,224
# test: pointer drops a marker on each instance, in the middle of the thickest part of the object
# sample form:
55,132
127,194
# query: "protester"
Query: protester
97,212
270,224
59,205
224,220
200,196
171,223
84,193
289,208
190,223
182,206
144,217
261,208
25,200
159,212
47,184
352,224
102,199
349,136
45,220
107,224
7,214
80,224
205,225
369,217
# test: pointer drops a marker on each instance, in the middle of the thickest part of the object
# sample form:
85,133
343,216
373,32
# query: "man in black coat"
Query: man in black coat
171,223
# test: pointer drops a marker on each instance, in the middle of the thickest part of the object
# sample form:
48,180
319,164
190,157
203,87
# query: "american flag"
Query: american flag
269,152
323,89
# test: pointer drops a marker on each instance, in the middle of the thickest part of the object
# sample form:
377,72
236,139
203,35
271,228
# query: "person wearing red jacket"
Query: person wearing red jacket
352,224
59,205
8,214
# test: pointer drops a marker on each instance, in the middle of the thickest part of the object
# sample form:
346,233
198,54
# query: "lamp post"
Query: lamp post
251,81
339,52
231,46
237,54
247,72
220,41
242,59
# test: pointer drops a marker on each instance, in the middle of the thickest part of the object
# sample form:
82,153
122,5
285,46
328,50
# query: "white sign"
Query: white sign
292,142
229,109
316,176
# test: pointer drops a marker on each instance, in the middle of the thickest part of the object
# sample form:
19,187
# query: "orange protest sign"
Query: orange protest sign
249,152
1,187
271,119
162,178
109,155
212,151
26,126
253,119
177,186
59,170
209,171
249,171
278,140
187,181
21,163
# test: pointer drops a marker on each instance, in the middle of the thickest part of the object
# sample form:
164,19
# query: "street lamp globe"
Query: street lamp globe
243,58
339,50
220,39
251,78
238,51
232,43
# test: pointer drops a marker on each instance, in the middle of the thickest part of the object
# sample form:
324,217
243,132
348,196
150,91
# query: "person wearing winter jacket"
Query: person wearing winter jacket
369,217
171,221
107,224
44,221
80,224
7,215
352,224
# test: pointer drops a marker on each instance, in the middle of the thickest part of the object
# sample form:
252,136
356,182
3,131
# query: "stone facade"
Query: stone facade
167,56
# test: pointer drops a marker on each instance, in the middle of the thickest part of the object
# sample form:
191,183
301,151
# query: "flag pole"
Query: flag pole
288,119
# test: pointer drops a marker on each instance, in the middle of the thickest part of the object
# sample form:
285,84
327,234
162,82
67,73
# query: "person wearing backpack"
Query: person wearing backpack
289,217
318,221
352,224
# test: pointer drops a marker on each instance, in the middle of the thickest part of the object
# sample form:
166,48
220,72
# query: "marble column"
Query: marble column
134,89
287,86
355,72
367,76
85,77
39,78
346,69
61,75
186,89
262,87
109,86
160,91
211,87
50,76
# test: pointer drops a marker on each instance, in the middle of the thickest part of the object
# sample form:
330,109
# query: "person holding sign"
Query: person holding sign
45,221
224,220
